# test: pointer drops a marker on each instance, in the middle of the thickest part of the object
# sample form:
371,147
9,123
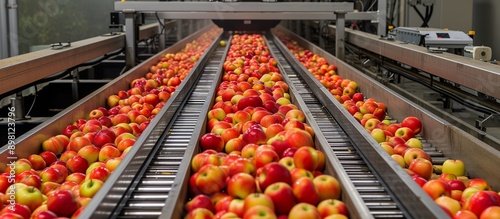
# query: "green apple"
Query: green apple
455,167
29,196
90,187
414,143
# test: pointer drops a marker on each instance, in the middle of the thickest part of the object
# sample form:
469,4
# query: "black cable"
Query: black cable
429,15
419,14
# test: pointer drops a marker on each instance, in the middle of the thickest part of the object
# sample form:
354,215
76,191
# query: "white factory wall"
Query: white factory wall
486,23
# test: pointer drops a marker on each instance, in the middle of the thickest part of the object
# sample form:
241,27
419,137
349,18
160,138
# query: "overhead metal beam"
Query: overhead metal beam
231,7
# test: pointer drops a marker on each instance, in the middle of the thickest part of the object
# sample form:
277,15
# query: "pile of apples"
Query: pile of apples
72,167
447,184
257,157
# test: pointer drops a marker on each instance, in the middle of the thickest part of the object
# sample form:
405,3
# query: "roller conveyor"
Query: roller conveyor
161,170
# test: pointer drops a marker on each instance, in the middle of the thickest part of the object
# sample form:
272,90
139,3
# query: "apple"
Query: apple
199,213
112,163
413,153
282,196
242,165
480,201
413,123
77,143
16,211
77,164
241,185
235,144
464,214
479,183
414,143
221,201
62,202
210,179
257,199
90,153
332,206
29,178
254,135
306,157
75,177
378,134
100,173
43,214
51,174
400,149
447,177
108,152
49,157
264,157
103,136
89,187
327,186
304,211
212,141
200,201
305,191
436,188
449,203
405,133
53,144
272,173
297,138
289,152
287,162
455,167
298,173
456,184
393,128
259,212
29,196
69,130
422,167
490,213
253,101
371,124
399,159
237,206
37,162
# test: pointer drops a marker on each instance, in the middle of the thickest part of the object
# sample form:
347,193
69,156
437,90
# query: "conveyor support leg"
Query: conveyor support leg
339,35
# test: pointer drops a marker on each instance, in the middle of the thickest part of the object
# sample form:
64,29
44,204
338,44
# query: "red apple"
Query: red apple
100,173
108,152
77,164
405,133
16,209
282,195
199,213
307,158
210,179
200,201
328,187
480,201
212,141
63,203
436,188
413,123
272,173
305,191
449,203
241,185
49,157
422,167
332,206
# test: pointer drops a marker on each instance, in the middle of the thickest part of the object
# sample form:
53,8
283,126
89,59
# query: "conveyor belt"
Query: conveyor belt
373,193
149,196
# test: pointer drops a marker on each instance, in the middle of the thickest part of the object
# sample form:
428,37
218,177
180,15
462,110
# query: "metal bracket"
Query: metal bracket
436,49
57,46
492,120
